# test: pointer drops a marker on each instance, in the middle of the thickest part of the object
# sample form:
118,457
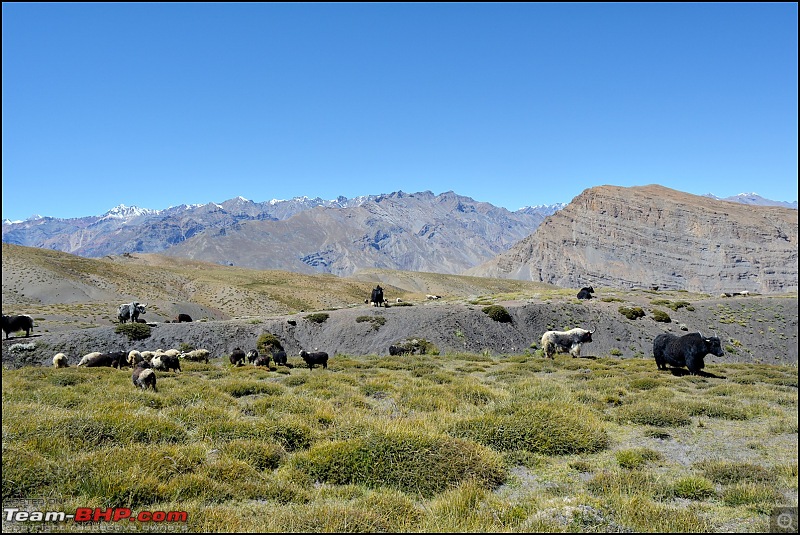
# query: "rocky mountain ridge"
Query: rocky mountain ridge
654,236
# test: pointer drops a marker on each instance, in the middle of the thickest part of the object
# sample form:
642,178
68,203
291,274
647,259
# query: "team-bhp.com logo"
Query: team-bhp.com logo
88,514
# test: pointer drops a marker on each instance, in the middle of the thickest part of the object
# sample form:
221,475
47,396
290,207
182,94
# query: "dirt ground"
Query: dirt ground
752,329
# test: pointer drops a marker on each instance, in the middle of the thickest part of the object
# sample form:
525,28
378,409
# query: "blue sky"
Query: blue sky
515,104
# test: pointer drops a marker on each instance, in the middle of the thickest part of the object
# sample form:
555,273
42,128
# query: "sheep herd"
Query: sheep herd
145,363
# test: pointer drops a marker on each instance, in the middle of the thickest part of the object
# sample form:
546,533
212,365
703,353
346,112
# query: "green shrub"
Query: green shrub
497,313
267,342
134,331
661,316
185,348
318,317
631,313
413,463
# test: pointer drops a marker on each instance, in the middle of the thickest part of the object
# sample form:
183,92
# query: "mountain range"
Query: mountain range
444,233
452,234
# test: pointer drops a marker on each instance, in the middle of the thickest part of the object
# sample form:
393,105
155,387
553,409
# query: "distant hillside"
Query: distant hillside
74,301
63,287
651,235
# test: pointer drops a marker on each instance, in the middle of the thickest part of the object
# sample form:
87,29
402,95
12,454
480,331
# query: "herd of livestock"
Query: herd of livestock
687,351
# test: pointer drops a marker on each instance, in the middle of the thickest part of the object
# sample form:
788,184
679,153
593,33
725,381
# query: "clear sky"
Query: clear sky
515,104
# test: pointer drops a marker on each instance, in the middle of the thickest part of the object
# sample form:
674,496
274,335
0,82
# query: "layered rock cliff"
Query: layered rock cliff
654,236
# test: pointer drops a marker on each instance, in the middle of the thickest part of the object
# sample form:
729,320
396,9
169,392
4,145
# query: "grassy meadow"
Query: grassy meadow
423,443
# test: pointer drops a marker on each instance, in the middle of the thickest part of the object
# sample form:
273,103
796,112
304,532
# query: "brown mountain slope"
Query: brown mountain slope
651,235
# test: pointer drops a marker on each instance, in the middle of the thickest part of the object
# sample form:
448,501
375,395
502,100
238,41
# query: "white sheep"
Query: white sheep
89,356
60,361
134,358
197,355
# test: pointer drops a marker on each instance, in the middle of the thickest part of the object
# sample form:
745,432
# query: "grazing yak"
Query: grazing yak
143,376
262,360
565,341
279,356
685,351
130,312
399,350
12,324
586,292
182,318
376,299
238,357
251,356
315,357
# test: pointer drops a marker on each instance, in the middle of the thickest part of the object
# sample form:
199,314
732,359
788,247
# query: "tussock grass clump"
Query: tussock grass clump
693,488
412,463
646,383
636,457
497,313
642,515
758,495
654,413
290,435
25,473
134,331
256,453
92,430
728,472
546,428
726,409
243,387
628,482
